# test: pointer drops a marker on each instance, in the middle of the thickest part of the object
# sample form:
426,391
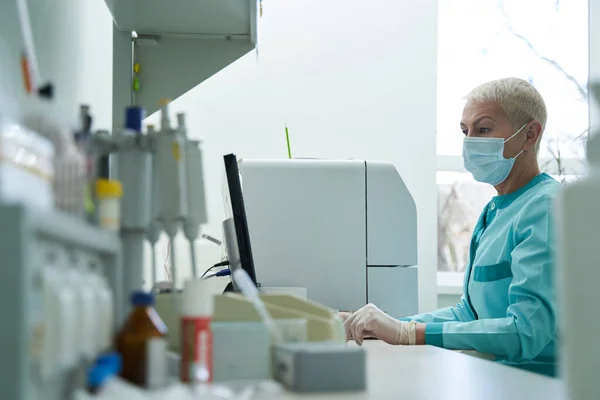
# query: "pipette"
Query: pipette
244,283
196,214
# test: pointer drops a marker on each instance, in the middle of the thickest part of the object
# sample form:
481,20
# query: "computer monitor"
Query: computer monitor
235,227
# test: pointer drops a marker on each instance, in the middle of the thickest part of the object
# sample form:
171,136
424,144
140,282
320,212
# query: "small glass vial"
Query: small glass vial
142,344
108,195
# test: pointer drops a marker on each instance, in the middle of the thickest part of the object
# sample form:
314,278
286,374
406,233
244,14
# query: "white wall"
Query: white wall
351,80
73,40
96,67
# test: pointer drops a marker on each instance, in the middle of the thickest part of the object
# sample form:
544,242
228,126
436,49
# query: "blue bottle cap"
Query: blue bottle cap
133,118
141,298
98,375
112,361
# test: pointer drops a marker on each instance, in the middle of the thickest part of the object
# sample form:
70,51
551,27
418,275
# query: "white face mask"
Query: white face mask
484,158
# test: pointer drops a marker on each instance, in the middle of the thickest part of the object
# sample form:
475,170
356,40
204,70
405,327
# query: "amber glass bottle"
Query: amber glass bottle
142,344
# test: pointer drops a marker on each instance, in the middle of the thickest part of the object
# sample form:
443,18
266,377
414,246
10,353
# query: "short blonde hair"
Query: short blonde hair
519,100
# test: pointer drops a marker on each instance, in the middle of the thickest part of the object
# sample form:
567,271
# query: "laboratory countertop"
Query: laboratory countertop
427,372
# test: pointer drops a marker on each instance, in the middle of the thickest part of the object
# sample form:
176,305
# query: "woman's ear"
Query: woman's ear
534,133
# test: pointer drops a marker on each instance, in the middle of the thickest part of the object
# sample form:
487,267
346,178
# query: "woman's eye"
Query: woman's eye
484,130
465,132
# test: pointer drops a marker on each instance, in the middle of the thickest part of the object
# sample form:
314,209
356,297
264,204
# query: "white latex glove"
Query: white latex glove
370,321
344,315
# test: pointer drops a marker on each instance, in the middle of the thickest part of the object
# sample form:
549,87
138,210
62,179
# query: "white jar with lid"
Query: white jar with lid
108,195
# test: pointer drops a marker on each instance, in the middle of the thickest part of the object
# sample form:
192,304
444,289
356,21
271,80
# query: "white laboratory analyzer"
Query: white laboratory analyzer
346,230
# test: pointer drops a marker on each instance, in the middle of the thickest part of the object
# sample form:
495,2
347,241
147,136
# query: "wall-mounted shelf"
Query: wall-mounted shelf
180,44
214,17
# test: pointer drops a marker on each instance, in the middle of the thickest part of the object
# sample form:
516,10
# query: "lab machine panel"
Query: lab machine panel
343,229
307,227
392,217
394,290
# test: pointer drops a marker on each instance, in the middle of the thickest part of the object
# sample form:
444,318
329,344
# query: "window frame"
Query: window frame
451,283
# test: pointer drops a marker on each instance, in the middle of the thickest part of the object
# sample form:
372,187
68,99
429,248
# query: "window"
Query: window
460,200
481,40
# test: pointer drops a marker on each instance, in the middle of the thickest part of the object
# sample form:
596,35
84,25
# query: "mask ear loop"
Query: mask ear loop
515,134
518,154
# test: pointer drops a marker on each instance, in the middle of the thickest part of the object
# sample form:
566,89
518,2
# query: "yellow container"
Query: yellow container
108,194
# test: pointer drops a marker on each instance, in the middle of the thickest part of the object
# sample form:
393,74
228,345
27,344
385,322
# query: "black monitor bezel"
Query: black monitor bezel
238,212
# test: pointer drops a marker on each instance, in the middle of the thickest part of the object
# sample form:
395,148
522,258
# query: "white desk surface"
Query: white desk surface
427,372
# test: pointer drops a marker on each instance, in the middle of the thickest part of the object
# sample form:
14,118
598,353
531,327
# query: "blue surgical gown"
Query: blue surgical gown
509,303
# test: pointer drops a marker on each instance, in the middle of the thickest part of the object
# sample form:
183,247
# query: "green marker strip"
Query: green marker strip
287,138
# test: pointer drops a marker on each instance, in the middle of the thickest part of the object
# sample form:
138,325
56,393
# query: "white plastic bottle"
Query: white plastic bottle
104,308
66,318
196,335
86,314
56,318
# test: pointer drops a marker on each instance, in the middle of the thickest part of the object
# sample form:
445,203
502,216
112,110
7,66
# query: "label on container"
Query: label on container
176,151
196,350
156,363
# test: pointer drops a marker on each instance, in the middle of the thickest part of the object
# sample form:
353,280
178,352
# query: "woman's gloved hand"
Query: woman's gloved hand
370,321
344,315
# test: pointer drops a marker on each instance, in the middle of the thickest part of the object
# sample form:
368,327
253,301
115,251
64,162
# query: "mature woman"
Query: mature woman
508,306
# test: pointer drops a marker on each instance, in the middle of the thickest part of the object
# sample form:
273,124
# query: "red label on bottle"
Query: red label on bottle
196,350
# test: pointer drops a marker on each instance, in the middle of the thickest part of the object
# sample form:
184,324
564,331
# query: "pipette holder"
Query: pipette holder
155,175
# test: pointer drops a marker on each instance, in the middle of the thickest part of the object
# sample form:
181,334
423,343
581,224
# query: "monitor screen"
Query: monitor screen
237,237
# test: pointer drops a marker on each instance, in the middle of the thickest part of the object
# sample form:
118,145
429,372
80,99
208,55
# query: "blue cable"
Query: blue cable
223,272
220,264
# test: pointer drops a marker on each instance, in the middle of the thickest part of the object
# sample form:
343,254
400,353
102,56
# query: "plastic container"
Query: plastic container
104,299
87,313
70,174
108,195
142,344
60,309
68,309
196,335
